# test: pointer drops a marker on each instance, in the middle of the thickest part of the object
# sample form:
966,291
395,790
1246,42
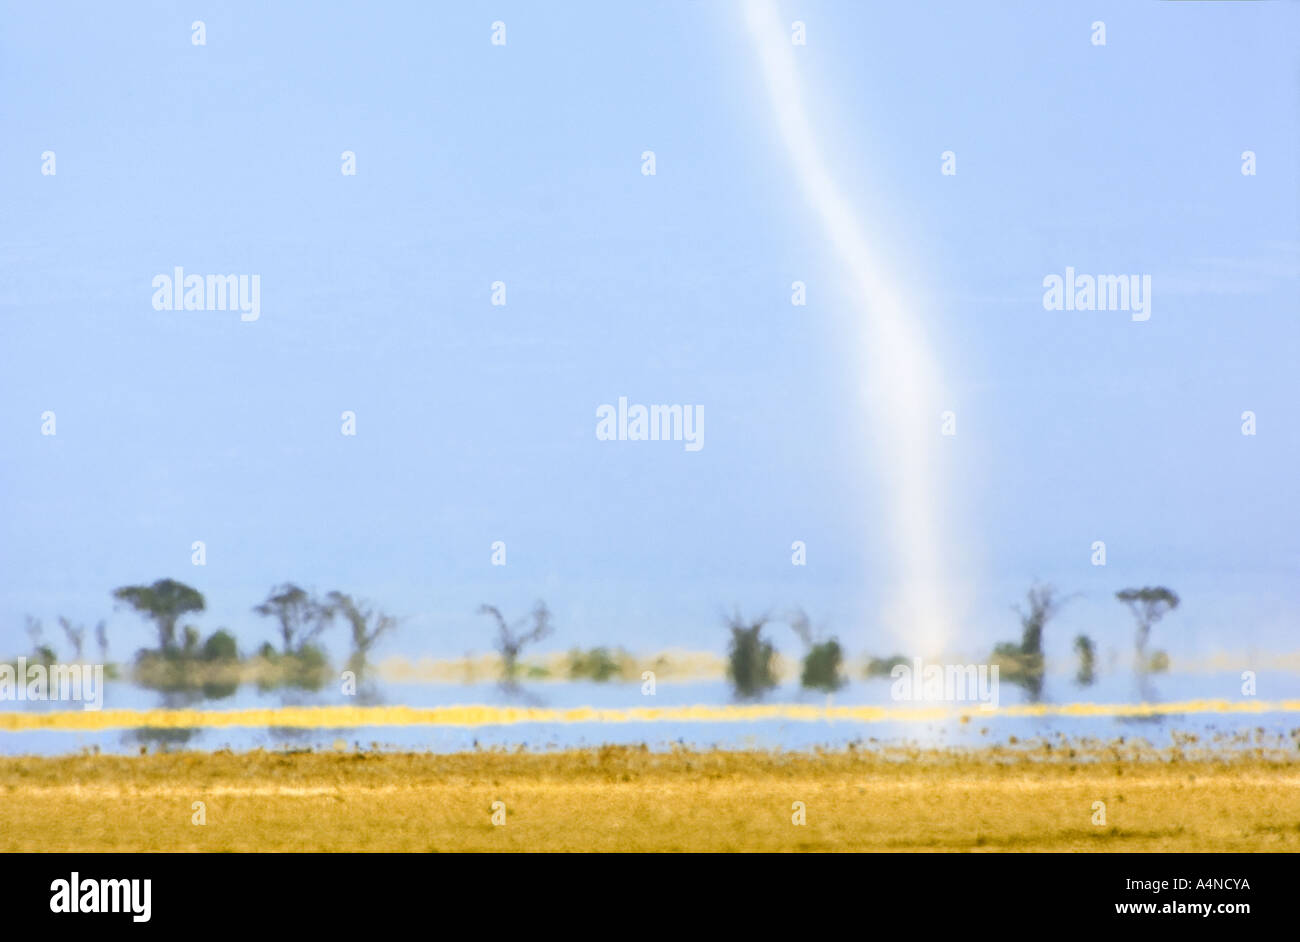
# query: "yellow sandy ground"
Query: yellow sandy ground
629,799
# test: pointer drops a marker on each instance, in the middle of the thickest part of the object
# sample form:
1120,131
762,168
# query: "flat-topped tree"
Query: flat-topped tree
162,603
1148,605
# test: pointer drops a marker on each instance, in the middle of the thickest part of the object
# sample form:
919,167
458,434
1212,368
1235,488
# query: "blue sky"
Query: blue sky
522,163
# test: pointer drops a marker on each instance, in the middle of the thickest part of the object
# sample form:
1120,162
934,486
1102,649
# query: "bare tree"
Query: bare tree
511,639
801,625
1023,663
1044,604
365,622
34,630
42,651
300,616
76,636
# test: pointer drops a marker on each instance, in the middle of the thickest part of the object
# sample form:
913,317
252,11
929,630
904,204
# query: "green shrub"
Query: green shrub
821,667
220,646
308,667
164,670
597,664
884,666
1017,666
44,654
1087,660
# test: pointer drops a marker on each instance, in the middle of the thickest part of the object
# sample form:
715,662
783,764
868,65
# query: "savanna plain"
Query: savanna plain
1089,796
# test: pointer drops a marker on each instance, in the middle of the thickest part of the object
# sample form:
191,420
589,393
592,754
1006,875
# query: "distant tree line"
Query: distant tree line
751,655
1022,663
184,659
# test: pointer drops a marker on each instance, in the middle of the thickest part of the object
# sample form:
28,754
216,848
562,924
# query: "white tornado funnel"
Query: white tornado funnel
903,385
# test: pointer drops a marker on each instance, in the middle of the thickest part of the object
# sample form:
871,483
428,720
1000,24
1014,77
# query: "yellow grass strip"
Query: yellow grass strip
347,717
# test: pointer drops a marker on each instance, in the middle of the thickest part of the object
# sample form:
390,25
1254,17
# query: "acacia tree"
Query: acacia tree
511,639
1148,605
163,603
300,616
1043,605
1023,663
365,622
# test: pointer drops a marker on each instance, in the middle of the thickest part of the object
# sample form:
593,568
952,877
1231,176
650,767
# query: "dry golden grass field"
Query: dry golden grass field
618,799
